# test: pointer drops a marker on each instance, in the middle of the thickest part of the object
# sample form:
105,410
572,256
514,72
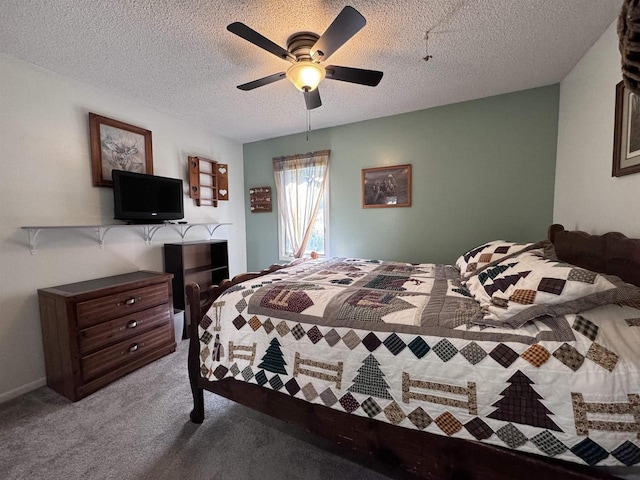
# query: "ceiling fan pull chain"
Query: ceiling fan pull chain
426,57
308,123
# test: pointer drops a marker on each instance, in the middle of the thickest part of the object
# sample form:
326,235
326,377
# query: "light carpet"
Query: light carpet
138,428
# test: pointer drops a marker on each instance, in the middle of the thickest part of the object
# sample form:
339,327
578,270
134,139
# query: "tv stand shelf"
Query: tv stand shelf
147,230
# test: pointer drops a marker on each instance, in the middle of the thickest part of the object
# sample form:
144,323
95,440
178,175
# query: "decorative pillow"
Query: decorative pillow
527,286
478,258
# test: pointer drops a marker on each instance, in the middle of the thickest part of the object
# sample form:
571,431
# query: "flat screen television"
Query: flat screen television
141,198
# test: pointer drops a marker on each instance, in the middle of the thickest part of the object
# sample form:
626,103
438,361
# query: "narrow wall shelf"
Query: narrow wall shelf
147,230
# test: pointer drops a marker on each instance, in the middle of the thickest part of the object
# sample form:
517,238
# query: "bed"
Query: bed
520,361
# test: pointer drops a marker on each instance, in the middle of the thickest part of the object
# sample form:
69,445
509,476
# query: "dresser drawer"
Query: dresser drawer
112,331
126,351
117,305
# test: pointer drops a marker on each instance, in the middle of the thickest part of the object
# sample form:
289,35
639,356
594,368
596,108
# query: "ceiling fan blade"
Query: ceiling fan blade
259,40
312,99
348,22
354,75
262,81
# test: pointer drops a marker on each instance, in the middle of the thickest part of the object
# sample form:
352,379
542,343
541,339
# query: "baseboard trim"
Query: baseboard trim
27,387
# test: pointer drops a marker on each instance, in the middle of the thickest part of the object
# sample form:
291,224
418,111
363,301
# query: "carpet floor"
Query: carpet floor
138,428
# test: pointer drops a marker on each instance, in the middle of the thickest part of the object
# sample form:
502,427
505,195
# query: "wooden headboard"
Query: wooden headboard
612,253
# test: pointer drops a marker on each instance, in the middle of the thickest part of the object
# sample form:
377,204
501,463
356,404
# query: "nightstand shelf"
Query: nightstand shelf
203,262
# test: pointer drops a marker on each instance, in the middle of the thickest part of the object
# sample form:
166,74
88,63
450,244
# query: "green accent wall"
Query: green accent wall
482,170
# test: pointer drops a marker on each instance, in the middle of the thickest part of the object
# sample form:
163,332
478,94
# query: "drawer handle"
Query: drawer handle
132,324
130,301
133,348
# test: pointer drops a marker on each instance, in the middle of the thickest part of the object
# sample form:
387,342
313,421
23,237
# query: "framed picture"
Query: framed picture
626,143
386,186
118,146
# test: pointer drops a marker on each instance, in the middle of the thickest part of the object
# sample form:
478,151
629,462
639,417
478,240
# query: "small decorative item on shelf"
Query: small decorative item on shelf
208,181
260,199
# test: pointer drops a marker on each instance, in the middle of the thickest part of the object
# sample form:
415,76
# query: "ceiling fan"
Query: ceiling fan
306,51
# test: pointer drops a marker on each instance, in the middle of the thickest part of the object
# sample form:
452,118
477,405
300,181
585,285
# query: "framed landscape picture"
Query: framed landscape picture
386,186
118,146
626,143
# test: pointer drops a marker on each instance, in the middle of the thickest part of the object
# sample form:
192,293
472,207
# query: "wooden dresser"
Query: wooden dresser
97,331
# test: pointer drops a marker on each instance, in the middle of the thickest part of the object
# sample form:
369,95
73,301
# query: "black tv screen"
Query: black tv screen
141,198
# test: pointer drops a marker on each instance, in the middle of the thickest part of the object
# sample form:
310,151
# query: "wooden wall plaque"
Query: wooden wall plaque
260,199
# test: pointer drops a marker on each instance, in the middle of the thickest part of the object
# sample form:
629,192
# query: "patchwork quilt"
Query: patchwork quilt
395,342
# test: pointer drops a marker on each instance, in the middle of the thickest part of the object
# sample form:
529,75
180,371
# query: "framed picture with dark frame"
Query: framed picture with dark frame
626,143
117,145
386,186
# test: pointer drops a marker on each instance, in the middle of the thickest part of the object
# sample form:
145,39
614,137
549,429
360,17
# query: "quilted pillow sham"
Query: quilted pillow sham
476,259
527,286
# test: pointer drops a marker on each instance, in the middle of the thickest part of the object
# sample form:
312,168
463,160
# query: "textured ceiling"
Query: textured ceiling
178,57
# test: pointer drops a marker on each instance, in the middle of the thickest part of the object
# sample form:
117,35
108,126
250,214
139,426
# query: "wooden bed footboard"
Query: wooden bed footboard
199,302
424,454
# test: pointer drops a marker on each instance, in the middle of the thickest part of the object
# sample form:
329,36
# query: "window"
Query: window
303,204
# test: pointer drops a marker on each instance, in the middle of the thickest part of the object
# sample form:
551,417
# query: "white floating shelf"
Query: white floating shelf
148,230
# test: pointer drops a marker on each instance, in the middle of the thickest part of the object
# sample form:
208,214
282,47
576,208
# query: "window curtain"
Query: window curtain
300,181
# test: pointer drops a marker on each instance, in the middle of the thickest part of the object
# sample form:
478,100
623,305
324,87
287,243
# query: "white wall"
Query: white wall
587,197
46,180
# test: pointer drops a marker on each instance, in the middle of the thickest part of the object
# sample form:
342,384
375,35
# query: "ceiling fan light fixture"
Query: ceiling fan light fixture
306,76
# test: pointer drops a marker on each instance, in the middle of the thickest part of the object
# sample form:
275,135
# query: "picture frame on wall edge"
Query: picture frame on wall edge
626,143
384,187
117,145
